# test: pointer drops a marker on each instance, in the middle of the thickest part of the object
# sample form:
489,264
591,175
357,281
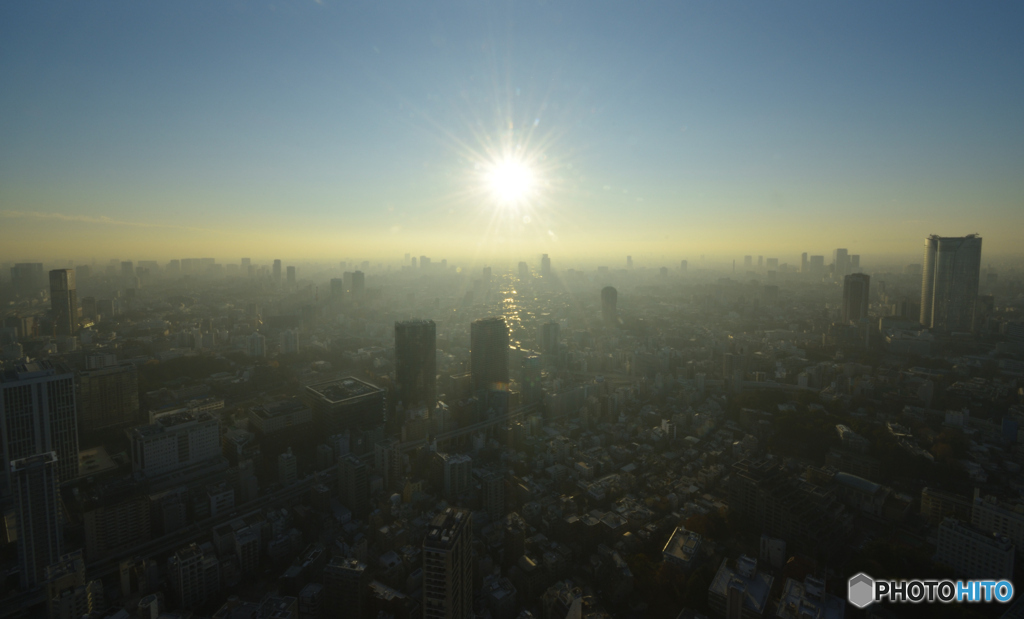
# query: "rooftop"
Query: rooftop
753,585
341,389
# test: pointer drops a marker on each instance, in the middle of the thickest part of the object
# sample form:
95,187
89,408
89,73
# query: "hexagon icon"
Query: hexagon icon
861,590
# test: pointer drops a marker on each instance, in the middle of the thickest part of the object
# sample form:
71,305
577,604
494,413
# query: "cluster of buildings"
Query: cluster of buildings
239,441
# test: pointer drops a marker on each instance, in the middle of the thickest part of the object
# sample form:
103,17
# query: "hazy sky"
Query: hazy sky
332,129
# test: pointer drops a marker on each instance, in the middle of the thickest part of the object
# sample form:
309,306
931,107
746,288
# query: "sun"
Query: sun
510,181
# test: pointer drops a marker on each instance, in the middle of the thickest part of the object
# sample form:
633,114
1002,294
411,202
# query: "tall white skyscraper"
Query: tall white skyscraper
949,284
37,415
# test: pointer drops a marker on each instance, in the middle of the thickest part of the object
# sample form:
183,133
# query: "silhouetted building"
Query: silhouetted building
345,404
37,509
337,289
37,415
489,355
545,266
354,485
346,588
277,271
358,284
609,304
416,363
448,566
291,276
64,301
949,284
855,297
27,279
108,398
524,270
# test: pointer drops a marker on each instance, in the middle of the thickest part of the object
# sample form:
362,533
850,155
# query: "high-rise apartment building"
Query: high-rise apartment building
457,471
949,285
855,297
64,301
256,343
194,576
416,363
107,398
354,485
337,289
489,355
973,553
34,483
530,380
37,415
448,566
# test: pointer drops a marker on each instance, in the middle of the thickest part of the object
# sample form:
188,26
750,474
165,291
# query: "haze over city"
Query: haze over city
540,309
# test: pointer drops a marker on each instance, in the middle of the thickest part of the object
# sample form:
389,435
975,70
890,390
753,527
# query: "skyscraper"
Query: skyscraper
346,588
337,289
609,304
840,263
545,266
549,338
64,301
855,297
448,566
277,271
416,363
37,509
27,279
353,485
37,415
107,398
530,380
291,276
489,355
358,284
524,270
949,285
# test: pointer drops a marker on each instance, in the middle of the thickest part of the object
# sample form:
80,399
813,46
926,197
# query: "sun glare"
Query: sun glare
510,181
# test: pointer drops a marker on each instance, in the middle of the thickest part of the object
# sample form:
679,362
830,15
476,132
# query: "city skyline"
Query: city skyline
318,125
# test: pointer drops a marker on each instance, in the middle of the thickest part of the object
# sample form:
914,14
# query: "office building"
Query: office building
277,271
108,398
287,468
545,266
840,263
991,516
27,279
808,600
949,284
973,553
683,549
416,363
37,511
740,592
748,262
817,265
289,342
257,344
458,474
68,594
115,523
492,495
389,462
194,576
489,355
609,305
37,414
346,588
174,442
530,381
358,287
937,505
549,338
64,301
88,306
855,297
337,289
855,263
279,416
448,566
354,485
345,404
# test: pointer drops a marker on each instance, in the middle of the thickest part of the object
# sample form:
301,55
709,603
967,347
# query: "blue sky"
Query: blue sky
670,127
